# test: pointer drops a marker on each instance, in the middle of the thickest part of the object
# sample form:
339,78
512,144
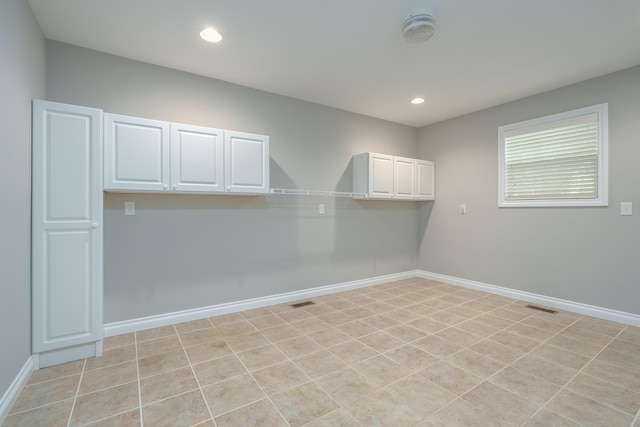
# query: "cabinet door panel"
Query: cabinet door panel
136,154
405,178
247,162
381,176
425,180
197,158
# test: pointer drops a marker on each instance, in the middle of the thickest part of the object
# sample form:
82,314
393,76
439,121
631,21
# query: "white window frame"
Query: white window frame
548,122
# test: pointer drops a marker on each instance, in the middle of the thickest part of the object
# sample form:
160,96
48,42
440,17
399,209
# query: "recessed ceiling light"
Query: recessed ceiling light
417,101
211,35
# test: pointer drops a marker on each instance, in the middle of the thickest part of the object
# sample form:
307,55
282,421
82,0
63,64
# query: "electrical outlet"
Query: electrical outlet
321,208
462,209
129,208
626,208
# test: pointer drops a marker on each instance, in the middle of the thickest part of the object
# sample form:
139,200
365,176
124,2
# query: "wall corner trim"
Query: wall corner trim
561,304
139,324
14,390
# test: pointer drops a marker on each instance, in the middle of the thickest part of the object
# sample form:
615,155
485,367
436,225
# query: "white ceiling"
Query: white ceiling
350,54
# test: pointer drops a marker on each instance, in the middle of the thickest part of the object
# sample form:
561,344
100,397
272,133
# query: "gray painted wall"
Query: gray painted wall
588,255
22,77
184,251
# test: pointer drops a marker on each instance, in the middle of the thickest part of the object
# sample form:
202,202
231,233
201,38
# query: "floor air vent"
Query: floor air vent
546,310
302,304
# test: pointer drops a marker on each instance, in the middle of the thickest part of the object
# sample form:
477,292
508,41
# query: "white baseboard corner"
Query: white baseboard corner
14,390
140,324
560,304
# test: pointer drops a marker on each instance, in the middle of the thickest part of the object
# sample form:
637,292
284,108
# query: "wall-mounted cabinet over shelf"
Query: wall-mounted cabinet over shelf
382,176
143,155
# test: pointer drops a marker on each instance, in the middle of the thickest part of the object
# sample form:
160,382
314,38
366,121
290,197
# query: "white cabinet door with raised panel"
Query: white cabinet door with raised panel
66,230
246,162
404,178
425,180
380,176
197,159
136,154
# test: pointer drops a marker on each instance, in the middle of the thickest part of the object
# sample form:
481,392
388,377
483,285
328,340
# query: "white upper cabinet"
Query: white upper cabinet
381,176
143,155
136,154
247,162
197,159
425,180
66,258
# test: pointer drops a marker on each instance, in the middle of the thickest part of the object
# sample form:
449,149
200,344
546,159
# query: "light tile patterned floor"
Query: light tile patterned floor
408,353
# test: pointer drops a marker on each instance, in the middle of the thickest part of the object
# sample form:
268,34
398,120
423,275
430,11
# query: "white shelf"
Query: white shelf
299,192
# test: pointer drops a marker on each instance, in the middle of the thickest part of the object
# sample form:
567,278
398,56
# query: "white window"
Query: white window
558,160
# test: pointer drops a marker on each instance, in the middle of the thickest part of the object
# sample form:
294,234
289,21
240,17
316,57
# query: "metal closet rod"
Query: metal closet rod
298,192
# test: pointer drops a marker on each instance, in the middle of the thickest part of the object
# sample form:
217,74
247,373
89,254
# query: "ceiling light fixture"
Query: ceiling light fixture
211,35
418,25
417,101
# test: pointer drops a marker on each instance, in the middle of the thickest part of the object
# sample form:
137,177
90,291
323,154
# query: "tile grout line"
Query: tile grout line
75,398
193,372
135,342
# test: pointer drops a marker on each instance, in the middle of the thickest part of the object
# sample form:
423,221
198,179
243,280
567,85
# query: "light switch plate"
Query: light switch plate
626,208
129,208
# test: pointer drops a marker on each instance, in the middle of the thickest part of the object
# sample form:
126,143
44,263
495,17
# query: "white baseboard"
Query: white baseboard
14,390
133,325
560,304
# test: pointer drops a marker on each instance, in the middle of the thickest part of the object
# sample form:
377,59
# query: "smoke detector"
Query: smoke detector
418,26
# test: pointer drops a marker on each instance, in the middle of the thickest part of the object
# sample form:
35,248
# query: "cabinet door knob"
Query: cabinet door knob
94,225
228,188
175,186
165,186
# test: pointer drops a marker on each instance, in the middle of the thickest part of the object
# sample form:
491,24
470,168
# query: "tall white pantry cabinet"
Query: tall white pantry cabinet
66,260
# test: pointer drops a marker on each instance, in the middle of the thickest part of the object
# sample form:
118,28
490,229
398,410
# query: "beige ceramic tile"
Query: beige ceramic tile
458,337
627,360
382,370
357,329
105,403
600,326
623,346
200,336
261,357
226,318
160,363
476,363
545,369
239,327
437,346
421,395
265,322
582,347
336,318
108,377
402,315
112,357
630,333
547,418
256,312
125,419
451,377
247,341
353,351
168,384
496,351
586,411
428,326
217,370
338,418
304,403
530,332
411,357
182,410
231,394
208,351
380,321
319,363
155,333
329,337
280,377
515,341
525,385
194,325
280,333
609,394
382,409
308,326
614,374
510,406
44,393
299,346
463,413
56,414
118,341
347,385
381,341
158,346
561,356
55,372
259,414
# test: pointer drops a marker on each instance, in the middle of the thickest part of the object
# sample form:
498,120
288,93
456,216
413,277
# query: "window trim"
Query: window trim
531,125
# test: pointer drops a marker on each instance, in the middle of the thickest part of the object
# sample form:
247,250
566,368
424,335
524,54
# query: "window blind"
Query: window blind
554,161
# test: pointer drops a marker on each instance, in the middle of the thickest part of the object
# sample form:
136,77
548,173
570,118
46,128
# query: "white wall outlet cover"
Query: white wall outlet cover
626,208
321,209
129,208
